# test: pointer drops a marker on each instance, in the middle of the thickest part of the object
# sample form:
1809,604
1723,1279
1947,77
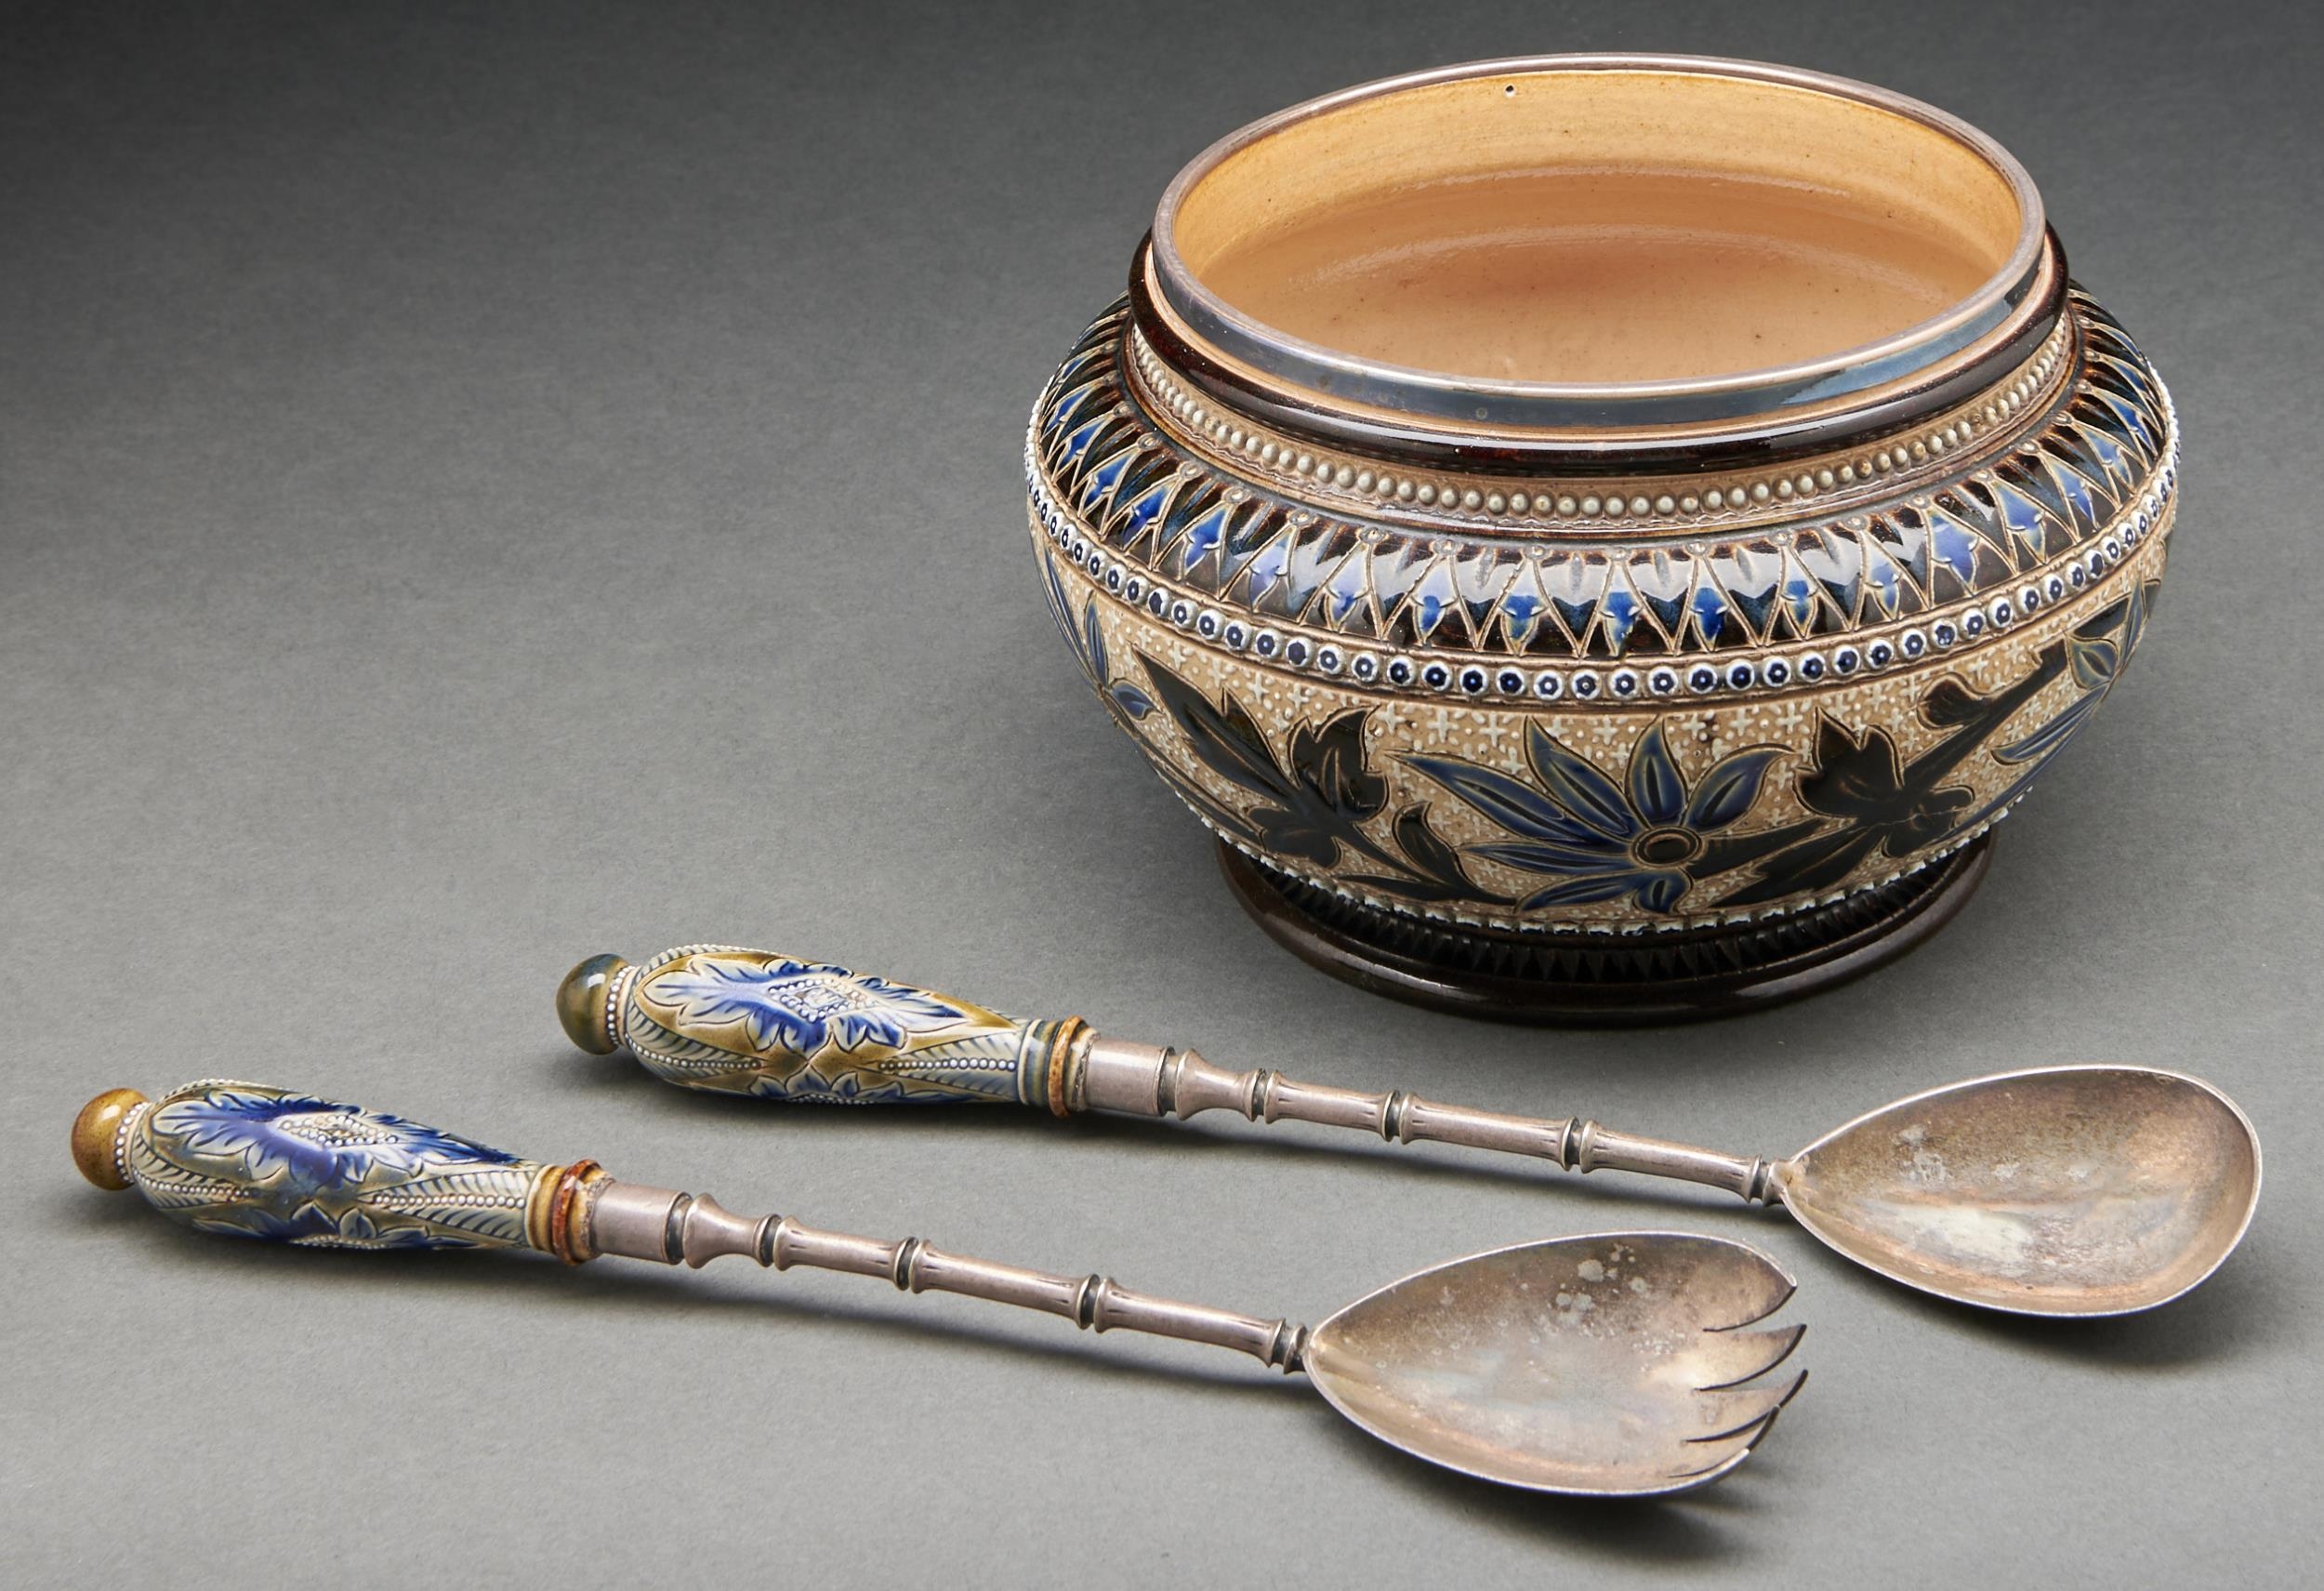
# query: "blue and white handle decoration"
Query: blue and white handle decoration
724,1019
286,1167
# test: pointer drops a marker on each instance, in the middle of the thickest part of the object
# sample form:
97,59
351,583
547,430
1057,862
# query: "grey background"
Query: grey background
485,484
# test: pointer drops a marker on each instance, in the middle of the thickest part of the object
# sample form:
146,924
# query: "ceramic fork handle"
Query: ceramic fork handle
723,1019
728,1020
283,1166
247,1160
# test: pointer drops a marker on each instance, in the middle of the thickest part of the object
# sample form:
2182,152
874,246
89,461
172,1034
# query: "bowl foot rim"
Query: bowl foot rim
1606,980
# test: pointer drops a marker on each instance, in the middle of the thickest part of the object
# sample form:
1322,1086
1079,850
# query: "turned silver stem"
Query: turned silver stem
670,1228
1127,1079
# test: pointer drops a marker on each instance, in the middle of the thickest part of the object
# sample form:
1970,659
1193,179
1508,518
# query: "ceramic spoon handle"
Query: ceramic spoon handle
281,1166
723,1019
728,1020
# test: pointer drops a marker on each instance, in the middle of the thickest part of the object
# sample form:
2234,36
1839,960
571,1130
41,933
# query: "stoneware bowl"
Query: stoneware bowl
1602,537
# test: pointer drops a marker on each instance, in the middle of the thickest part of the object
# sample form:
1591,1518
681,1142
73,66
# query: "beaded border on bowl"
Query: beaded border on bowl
1613,681
1226,438
1166,473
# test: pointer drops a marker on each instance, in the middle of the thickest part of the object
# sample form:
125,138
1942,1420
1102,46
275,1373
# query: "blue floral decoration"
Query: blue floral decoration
801,1006
1313,801
313,1227
1649,838
1088,640
316,1145
848,1088
2096,653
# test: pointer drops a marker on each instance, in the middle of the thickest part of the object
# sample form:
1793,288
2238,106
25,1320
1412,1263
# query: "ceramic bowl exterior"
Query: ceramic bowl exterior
1671,719
1553,698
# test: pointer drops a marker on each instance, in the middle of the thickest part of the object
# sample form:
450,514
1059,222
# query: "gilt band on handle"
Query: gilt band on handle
728,1020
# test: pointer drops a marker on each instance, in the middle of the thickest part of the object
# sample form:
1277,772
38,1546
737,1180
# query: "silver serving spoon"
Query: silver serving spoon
2060,1190
1612,1365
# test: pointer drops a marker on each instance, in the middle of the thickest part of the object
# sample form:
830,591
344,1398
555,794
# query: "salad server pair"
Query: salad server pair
1629,1363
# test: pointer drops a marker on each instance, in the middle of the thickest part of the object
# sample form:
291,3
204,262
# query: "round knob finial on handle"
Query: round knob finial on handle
585,1003
96,1130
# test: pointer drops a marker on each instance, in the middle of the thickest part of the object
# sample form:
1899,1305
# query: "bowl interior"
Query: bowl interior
1553,224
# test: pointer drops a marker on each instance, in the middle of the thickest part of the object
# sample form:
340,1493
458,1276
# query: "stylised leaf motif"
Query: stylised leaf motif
1576,784
306,1224
1316,810
1296,834
2097,651
1814,864
2142,608
799,1007
1093,642
810,1087
1540,857
1723,854
1436,873
1934,819
1887,807
1088,640
848,1088
1950,704
1595,839
1662,891
1060,605
1579,892
1511,803
2052,735
1855,776
1224,738
317,1142
1599,837
1658,790
281,1167
2094,663
1424,847
1329,764
1729,790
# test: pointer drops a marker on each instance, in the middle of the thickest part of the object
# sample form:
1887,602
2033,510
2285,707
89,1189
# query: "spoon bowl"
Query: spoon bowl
1593,1366
2062,1191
